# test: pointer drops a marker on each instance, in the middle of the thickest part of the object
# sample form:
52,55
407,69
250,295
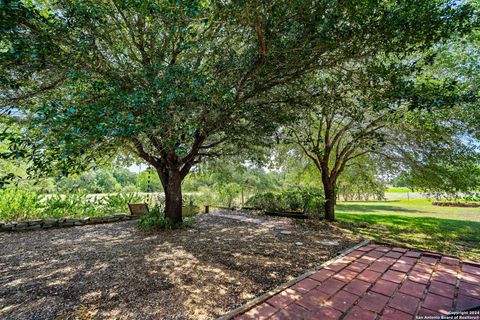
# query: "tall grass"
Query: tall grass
18,204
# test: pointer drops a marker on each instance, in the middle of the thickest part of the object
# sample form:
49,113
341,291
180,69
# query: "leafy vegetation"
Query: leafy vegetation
304,200
177,83
282,105
18,204
155,219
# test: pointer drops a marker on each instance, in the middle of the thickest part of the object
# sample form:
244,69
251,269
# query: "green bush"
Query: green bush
268,201
72,204
155,219
306,200
293,199
82,205
117,202
17,204
472,197
314,201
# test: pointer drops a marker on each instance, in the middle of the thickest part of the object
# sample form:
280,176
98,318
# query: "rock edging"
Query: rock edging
457,204
47,223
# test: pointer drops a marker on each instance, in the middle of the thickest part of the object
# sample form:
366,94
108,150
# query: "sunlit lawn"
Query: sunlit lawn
416,223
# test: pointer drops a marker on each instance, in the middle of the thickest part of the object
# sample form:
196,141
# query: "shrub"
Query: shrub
118,202
82,205
292,199
268,201
155,219
17,204
472,197
306,200
71,204
314,201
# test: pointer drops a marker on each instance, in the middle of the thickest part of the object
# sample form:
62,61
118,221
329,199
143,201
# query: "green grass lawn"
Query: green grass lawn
416,223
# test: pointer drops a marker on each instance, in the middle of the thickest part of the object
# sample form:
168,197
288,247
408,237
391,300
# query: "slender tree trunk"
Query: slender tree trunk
329,190
172,186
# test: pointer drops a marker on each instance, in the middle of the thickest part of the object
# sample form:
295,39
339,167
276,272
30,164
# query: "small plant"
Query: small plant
155,219
472,197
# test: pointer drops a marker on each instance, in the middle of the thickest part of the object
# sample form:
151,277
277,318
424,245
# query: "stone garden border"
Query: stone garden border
457,204
47,223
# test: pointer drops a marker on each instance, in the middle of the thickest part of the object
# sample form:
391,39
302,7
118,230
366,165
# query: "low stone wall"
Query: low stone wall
38,224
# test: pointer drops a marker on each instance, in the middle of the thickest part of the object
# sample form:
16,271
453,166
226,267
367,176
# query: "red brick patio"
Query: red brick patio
377,282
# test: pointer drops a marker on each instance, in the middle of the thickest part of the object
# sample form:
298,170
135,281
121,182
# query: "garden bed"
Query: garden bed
118,271
457,204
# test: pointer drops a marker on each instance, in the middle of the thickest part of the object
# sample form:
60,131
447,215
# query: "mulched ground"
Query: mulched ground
116,271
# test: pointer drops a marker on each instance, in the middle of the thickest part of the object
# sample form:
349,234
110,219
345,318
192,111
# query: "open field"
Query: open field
416,223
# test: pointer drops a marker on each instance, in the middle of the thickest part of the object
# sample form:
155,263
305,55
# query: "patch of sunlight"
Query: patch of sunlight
9,307
16,282
91,296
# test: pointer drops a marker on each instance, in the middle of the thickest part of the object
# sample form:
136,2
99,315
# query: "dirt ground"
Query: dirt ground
117,271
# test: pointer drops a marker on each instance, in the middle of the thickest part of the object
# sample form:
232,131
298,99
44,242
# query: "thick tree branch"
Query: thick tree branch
140,150
214,144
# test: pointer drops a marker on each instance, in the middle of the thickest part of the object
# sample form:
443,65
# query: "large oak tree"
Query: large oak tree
172,81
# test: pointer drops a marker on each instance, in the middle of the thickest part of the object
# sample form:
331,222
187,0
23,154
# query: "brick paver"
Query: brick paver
379,283
357,287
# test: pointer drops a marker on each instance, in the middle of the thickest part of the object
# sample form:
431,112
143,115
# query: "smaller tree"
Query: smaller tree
105,180
360,181
341,121
384,108
124,176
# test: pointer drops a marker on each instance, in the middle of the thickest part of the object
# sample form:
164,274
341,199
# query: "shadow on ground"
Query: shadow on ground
116,271
454,237
372,208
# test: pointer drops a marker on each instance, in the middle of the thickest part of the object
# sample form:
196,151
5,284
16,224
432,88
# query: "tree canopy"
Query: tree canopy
174,82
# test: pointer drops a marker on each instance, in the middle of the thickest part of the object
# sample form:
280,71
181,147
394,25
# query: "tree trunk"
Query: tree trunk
329,190
330,202
172,186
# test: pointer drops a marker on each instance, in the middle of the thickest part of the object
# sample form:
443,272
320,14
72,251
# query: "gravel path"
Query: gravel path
116,271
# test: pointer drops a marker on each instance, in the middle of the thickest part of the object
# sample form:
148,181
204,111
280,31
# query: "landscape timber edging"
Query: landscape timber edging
48,223
249,305
286,214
